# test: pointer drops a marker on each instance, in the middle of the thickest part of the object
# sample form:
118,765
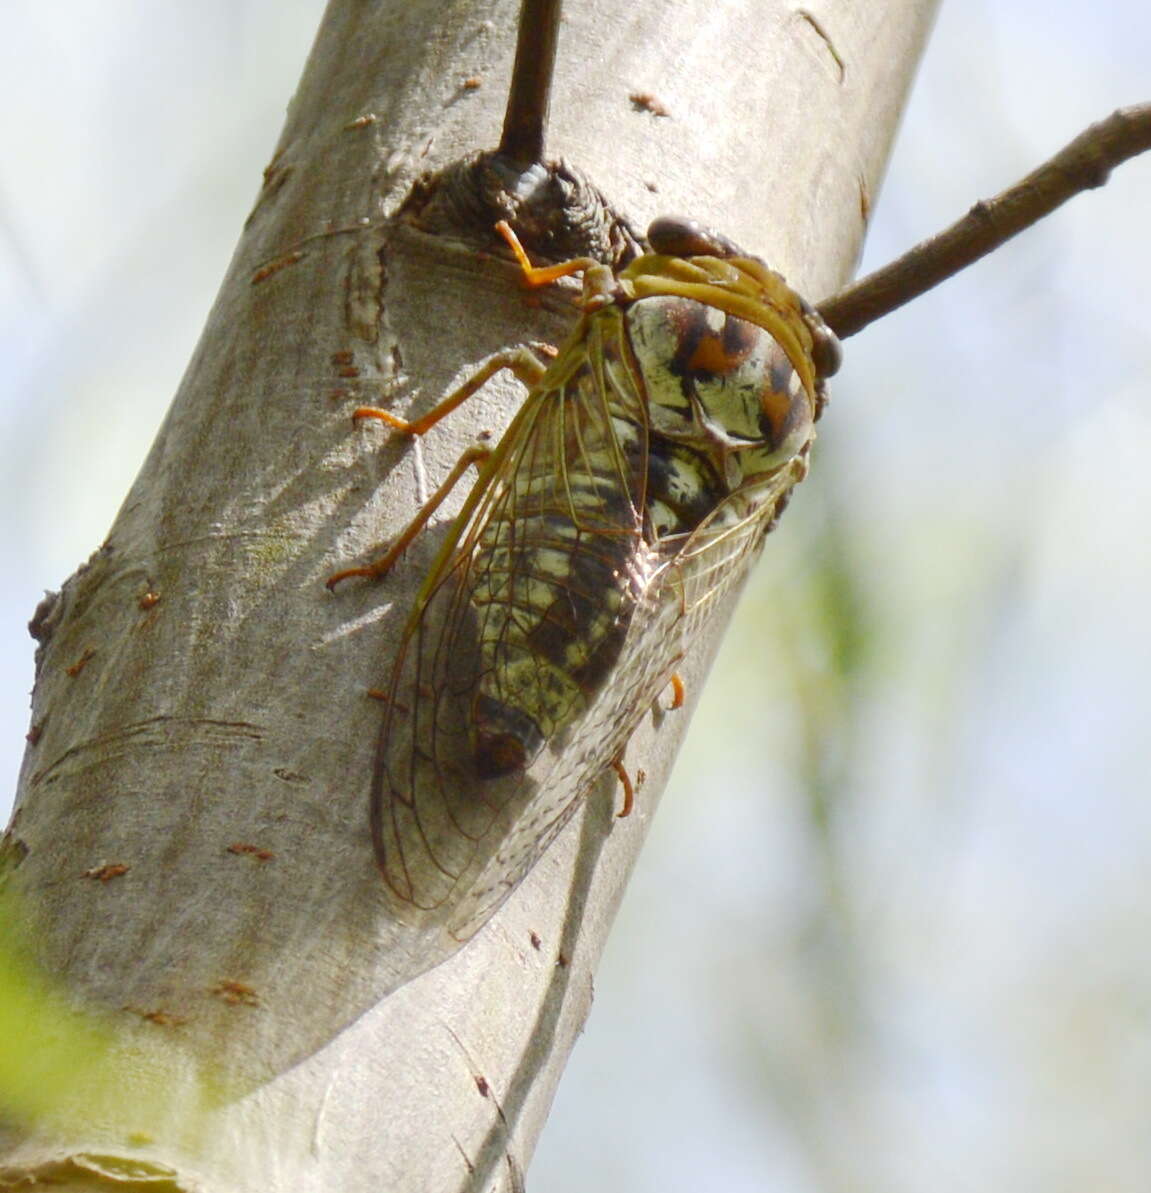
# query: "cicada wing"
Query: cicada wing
684,580
559,506
424,833
450,843
714,559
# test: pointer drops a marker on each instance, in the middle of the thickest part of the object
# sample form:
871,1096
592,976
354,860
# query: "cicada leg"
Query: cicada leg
525,365
598,281
522,362
540,275
626,783
379,567
678,695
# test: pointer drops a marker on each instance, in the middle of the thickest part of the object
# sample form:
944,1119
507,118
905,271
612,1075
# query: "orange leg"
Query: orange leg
628,789
678,691
540,275
524,364
521,361
598,281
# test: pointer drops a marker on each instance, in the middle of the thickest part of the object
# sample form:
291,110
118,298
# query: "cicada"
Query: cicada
628,495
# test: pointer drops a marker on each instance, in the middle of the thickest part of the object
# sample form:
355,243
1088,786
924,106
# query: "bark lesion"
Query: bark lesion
557,211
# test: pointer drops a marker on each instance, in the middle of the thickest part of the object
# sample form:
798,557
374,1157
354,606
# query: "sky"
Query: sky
889,929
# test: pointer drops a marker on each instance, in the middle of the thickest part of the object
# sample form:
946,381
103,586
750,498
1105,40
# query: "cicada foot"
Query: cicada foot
385,416
627,785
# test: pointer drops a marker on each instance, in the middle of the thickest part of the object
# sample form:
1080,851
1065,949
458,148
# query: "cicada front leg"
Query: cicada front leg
521,362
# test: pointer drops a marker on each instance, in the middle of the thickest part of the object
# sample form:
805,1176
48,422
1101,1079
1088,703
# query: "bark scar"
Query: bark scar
825,37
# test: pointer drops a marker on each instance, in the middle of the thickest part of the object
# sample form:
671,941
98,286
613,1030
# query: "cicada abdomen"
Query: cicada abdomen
628,494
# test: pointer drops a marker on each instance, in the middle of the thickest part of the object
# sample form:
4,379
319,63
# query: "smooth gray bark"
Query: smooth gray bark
271,1033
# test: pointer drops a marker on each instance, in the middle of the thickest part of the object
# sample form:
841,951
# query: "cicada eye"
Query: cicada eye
677,236
826,351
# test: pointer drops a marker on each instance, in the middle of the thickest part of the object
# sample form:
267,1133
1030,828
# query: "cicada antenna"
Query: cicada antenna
526,118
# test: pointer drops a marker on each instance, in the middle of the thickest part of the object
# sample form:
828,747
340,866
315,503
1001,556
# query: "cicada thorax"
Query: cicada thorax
726,407
733,363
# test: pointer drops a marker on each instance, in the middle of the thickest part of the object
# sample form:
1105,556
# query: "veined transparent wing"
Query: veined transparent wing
529,610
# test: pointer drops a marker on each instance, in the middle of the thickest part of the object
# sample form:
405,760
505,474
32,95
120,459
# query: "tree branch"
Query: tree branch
1085,163
529,97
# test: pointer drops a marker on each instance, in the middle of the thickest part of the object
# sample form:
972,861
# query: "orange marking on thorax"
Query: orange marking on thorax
710,356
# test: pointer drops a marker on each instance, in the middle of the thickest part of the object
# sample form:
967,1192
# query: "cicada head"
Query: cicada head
696,262
729,351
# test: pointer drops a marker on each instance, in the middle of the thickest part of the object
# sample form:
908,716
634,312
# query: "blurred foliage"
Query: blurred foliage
66,1070
45,1044
825,656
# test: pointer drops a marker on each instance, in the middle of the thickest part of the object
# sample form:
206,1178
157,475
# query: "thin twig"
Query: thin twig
1083,164
525,122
